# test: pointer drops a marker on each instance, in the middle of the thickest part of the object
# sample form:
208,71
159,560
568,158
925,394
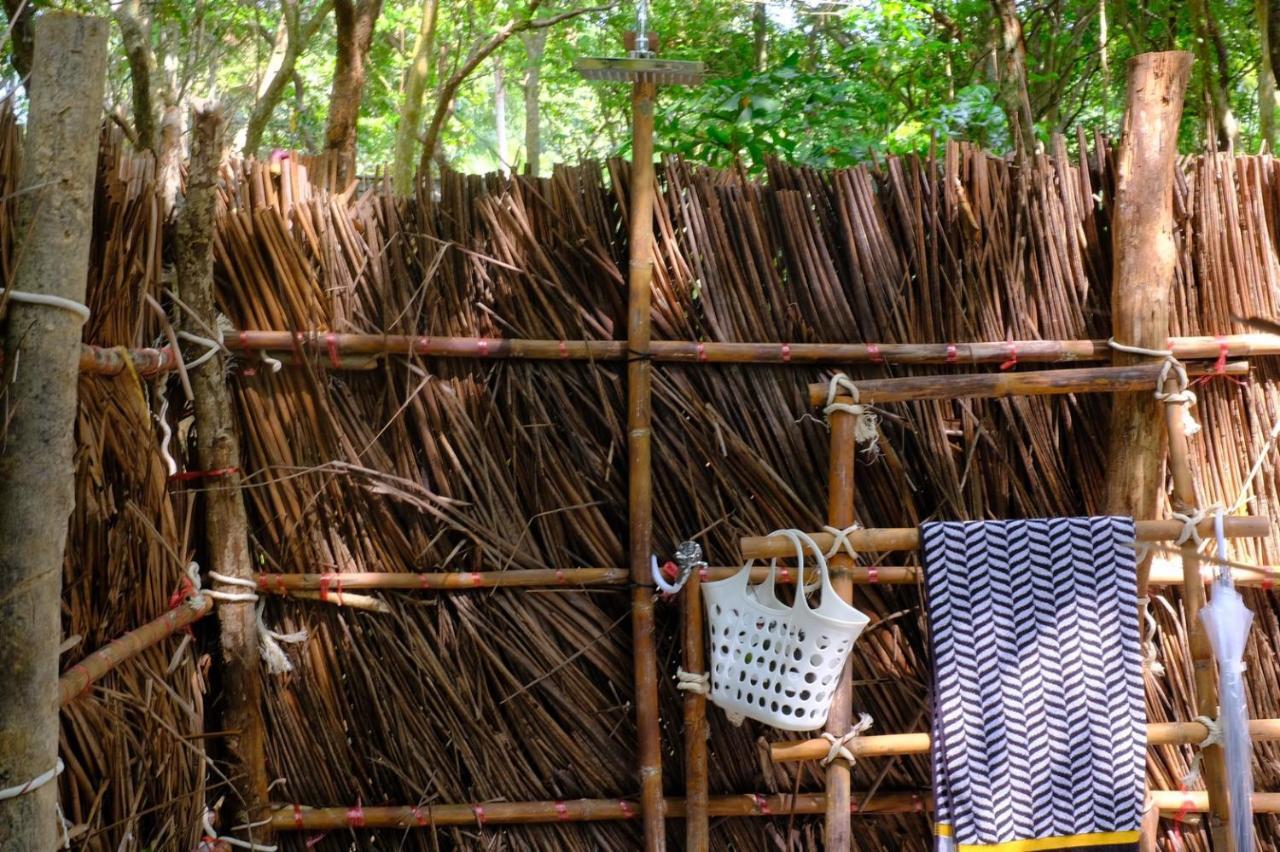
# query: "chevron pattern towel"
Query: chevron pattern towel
1039,738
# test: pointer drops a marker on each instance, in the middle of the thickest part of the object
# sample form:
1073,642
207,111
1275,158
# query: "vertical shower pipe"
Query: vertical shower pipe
639,467
697,823
840,514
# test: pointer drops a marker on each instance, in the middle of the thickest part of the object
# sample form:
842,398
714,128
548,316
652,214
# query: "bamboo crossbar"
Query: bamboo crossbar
1031,383
321,347
894,745
335,585
76,680
304,818
908,538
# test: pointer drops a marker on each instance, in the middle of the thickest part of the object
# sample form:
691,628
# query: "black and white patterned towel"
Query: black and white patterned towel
1039,724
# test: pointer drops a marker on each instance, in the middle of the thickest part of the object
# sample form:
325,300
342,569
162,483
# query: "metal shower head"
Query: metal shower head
664,72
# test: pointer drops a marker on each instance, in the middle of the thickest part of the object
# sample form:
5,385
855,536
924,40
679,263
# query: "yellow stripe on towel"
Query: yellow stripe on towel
1074,841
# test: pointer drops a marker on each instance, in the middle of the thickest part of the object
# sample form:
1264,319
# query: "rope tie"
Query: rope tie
1183,396
735,719
1214,737
866,428
1152,657
268,640
699,684
840,745
35,784
206,823
840,540
1191,523
49,301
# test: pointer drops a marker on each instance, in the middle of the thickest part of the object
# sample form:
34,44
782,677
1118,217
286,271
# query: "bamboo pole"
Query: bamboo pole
895,745
841,494
995,385
639,466
697,824
302,818
217,448
76,680
1184,499
908,538
354,350
1163,573
38,397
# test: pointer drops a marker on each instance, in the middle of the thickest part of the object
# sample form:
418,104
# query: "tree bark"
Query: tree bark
292,37
1014,96
535,45
217,448
500,115
21,14
41,348
1215,74
355,21
1266,76
135,33
759,36
415,87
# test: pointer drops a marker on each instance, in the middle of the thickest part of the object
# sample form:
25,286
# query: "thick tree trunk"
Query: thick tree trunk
415,86
535,45
500,115
21,13
1014,96
135,33
1215,72
217,448
55,217
1266,76
355,22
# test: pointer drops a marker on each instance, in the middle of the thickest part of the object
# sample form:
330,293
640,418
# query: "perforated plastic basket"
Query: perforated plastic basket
775,663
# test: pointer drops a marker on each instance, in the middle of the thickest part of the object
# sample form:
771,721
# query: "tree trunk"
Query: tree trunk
535,45
217,448
355,21
415,86
500,115
292,37
21,13
759,36
1215,74
135,33
37,489
1266,77
1013,77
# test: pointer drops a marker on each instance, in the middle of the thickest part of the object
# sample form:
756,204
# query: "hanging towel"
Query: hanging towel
1039,736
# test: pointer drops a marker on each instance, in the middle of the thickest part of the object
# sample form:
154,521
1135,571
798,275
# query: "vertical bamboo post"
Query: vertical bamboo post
697,827
840,514
1143,252
218,449
639,467
38,407
1212,767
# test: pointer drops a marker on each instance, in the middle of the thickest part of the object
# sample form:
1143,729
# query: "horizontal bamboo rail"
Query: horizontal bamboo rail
892,745
908,538
328,346
302,818
76,680
336,585
1033,383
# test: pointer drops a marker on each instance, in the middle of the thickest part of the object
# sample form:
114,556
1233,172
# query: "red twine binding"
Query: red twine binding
702,352
670,570
331,341
560,576
483,345
325,580
786,353
761,804
702,573
1180,817
1219,366
297,817
873,574
1013,356
873,352
952,354
191,475
355,816
564,350
424,345
478,810
786,574
627,811
1269,578
561,811
476,579
419,818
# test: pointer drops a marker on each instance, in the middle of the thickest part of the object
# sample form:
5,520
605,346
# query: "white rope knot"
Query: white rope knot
840,745
268,640
49,301
1213,737
1191,524
34,784
693,682
840,540
1183,395
866,426
206,824
1152,657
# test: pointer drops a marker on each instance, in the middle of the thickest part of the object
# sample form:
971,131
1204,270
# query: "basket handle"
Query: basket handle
800,539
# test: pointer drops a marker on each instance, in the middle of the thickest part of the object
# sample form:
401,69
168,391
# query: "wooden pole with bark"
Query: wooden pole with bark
38,406
1144,255
218,449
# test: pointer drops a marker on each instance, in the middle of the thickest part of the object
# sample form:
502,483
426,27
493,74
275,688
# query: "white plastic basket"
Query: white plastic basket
775,663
